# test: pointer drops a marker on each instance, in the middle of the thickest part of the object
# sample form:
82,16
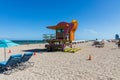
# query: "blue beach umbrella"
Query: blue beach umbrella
5,44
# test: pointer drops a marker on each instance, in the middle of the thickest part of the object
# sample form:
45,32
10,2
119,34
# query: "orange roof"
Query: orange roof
61,25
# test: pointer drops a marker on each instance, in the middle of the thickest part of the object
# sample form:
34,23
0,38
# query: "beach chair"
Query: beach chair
7,66
24,62
100,45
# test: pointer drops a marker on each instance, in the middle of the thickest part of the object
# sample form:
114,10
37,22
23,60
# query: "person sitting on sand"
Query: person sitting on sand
95,42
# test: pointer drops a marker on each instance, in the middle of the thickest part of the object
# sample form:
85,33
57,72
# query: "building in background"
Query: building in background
117,37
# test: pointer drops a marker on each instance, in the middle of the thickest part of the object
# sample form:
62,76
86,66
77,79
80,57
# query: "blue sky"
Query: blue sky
28,19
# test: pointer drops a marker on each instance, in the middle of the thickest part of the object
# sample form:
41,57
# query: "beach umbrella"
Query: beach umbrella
5,44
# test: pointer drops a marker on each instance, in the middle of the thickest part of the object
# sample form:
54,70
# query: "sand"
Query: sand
104,63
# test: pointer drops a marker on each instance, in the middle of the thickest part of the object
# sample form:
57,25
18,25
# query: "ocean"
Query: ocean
29,41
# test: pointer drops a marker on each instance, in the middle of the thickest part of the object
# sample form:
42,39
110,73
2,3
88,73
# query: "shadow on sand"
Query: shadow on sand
35,50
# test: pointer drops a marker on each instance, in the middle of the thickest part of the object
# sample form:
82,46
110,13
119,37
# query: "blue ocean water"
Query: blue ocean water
28,41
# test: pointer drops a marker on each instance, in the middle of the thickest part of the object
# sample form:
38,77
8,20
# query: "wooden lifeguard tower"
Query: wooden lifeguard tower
64,35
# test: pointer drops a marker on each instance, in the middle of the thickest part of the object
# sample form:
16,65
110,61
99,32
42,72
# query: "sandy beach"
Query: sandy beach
105,63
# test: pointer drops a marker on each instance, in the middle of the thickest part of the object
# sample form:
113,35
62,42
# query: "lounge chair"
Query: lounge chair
24,62
7,66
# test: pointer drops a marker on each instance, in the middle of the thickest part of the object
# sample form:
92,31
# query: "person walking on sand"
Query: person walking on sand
119,44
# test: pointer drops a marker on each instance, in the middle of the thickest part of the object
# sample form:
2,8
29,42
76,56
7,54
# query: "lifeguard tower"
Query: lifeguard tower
64,36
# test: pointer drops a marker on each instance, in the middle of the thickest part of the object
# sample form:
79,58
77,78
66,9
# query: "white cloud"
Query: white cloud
91,31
